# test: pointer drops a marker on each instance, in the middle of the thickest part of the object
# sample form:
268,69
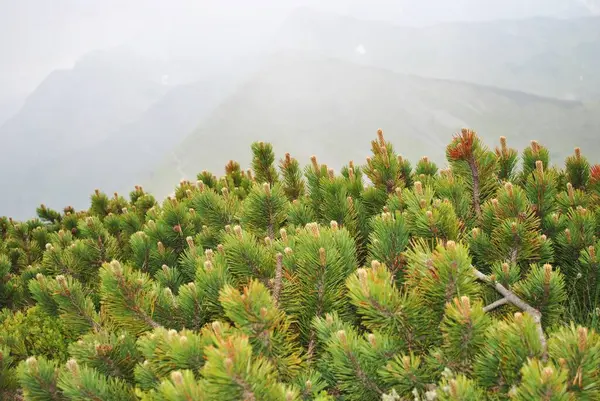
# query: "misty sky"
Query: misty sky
38,36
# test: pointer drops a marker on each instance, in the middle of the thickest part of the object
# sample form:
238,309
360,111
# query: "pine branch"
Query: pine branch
278,278
512,298
475,174
247,394
496,304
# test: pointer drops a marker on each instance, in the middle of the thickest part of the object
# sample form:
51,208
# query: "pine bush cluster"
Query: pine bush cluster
382,281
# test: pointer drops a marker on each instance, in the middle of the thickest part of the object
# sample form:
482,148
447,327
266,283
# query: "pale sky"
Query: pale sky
38,36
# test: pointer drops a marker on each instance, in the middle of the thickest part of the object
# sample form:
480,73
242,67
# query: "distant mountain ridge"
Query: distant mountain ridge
70,111
297,99
114,120
107,145
550,57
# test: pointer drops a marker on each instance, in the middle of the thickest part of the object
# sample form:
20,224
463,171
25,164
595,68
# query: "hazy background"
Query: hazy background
113,93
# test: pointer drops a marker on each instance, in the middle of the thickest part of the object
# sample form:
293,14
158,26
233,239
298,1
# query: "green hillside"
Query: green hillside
297,100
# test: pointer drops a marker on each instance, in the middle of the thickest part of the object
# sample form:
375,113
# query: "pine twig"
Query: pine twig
496,304
278,278
512,298
476,190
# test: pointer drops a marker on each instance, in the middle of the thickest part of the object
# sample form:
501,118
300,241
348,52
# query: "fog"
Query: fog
37,36
145,84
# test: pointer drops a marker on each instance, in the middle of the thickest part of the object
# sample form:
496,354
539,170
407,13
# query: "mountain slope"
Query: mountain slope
121,155
75,108
549,57
296,100
72,111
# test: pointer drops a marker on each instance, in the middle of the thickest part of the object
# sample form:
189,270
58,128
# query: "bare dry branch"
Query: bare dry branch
512,298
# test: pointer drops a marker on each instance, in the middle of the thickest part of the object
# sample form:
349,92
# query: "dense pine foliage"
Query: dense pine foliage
381,281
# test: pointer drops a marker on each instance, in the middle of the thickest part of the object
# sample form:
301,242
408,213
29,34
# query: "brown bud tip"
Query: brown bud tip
334,225
503,142
331,173
314,229
322,256
32,363
582,334
238,231
380,137
509,188
578,153
372,340
288,251
535,147
177,378
464,306
351,165
72,366
451,245
547,373
190,241
313,160
217,327
267,188
547,273
539,166
418,188
341,335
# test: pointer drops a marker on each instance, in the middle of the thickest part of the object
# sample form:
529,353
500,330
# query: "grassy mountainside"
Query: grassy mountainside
297,100
550,57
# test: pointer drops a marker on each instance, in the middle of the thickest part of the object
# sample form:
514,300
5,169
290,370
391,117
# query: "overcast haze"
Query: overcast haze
38,36
149,85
